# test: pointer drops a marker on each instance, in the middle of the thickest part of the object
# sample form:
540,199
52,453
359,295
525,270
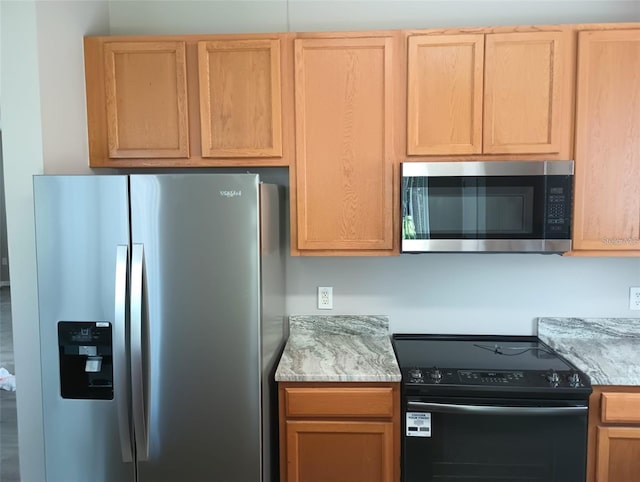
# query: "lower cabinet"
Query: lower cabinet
614,434
335,432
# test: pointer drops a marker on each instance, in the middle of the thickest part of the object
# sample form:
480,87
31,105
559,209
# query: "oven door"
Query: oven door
494,440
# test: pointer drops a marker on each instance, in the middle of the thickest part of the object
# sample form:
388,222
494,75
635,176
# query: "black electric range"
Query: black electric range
490,408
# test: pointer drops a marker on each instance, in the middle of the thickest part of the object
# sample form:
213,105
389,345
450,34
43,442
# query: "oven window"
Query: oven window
494,448
474,207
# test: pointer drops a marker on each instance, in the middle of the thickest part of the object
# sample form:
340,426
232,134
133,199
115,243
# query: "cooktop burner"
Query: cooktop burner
437,363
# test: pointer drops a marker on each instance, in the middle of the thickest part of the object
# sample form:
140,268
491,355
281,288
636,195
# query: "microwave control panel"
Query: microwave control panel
558,206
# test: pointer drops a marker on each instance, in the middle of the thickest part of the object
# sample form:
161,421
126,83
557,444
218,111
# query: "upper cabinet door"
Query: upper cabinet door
344,163
240,98
444,98
607,178
146,100
522,93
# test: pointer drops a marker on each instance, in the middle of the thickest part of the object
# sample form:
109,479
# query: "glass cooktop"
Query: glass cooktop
476,353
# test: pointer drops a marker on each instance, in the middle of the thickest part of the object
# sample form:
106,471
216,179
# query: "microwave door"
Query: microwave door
420,198
497,206
416,223
479,197
455,209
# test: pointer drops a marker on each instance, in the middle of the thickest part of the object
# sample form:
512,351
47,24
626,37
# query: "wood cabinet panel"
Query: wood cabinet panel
445,91
484,94
344,143
618,454
190,101
339,402
621,407
607,177
614,434
522,92
146,99
240,98
321,451
338,432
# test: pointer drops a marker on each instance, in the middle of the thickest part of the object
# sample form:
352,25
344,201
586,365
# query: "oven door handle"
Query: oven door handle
495,410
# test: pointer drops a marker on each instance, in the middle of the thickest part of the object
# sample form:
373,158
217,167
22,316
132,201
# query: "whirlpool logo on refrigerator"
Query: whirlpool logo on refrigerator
230,194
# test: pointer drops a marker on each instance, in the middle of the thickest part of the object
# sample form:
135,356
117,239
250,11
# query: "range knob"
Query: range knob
574,379
415,373
553,377
436,375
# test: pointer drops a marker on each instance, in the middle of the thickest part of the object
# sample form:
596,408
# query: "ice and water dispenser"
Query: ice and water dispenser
86,360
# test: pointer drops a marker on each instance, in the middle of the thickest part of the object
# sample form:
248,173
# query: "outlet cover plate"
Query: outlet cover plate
634,298
325,298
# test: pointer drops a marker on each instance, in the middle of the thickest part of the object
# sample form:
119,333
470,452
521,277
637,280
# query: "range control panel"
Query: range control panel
515,378
489,377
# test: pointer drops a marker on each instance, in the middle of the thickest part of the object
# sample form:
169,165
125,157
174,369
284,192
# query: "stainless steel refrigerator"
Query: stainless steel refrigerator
161,301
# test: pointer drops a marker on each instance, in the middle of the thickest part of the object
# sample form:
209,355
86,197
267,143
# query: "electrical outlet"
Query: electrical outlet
325,298
5,261
634,298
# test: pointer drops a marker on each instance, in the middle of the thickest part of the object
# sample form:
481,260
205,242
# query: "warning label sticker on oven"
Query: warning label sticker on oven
418,424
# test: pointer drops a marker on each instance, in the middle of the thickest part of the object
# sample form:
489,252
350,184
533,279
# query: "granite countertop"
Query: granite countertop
338,348
606,349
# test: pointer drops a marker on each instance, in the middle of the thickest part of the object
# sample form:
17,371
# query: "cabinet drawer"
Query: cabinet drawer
620,407
339,402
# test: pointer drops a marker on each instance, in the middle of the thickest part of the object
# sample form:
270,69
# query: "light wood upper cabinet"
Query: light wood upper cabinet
190,101
240,98
146,99
444,82
489,94
607,177
523,78
344,170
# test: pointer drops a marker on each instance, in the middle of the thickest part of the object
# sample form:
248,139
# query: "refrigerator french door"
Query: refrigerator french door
158,334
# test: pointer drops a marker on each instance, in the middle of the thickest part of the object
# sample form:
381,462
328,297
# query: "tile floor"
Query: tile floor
9,468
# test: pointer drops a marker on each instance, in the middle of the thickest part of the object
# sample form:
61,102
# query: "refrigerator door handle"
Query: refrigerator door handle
120,352
137,376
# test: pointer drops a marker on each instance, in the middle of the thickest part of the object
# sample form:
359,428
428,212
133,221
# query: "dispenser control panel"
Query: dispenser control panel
86,359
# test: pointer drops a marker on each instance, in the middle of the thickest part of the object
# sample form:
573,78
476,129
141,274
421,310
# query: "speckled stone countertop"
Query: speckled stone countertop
338,348
606,349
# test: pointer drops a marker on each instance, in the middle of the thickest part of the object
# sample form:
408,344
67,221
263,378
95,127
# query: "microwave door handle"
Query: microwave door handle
121,383
494,410
137,376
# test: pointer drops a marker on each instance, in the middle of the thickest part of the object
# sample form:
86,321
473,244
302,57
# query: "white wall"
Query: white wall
222,16
382,14
467,293
139,17
42,105
22,146
61,27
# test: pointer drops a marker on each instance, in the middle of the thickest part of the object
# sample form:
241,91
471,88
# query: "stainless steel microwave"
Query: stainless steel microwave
495,206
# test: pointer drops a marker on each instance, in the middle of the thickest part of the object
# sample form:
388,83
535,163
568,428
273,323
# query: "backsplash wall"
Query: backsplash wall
466,293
